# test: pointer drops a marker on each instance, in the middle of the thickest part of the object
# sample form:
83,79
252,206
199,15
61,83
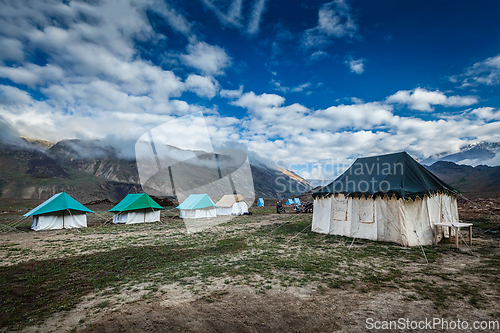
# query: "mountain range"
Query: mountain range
483,153
91,170
481,181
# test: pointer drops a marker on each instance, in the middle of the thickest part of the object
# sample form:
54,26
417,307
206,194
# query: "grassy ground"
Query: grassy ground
49,272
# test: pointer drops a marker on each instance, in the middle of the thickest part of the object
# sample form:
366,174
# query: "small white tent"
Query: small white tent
388,198
59,212
231,204
136,208
197,206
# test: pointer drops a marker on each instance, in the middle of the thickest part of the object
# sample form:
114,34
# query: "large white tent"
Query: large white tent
197,206
388,198
232,204
59,212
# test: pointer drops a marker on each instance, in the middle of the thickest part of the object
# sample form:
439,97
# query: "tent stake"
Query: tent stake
463,240
421,247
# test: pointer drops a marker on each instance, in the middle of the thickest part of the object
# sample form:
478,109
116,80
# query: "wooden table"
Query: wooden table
456,226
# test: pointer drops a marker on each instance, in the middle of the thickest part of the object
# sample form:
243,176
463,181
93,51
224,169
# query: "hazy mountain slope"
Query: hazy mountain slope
480,181
31,174
96,159
270,183
91,171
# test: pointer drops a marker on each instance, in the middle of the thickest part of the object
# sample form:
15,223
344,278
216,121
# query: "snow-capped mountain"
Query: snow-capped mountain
483,153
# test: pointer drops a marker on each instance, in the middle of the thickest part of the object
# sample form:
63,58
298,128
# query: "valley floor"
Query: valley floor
260,273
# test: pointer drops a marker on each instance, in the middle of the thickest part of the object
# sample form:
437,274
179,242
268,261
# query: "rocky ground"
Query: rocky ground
260,273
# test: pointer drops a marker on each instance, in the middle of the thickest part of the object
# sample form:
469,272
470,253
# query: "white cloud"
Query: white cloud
96,84
485,72
423,100
486,113
254,21
32,74
209,59
317,56
228,16
354,116
334,21
232,94
203,86
279,87
11,49
301,87
38,119
96,43
255,102
356,66
12,96
92,63
291,134
177,21
232,14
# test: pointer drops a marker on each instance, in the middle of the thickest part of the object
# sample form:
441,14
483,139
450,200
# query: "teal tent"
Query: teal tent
290,202
296,201
136,208
260,202
197,206
58,212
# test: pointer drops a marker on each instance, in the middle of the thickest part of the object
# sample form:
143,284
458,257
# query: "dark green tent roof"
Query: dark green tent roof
393,174
134,202
56,203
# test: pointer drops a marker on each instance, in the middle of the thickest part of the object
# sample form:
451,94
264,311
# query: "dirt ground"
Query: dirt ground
240,307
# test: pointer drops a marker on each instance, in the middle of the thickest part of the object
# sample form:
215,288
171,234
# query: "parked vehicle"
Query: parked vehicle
298,209
308,207
279,208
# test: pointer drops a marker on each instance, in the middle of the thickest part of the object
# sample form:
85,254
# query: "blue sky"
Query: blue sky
300,84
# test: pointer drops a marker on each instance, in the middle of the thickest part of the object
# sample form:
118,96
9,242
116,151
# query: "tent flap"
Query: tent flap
59,220
137,216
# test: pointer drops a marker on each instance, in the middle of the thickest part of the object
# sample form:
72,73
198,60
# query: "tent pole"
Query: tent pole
171,180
